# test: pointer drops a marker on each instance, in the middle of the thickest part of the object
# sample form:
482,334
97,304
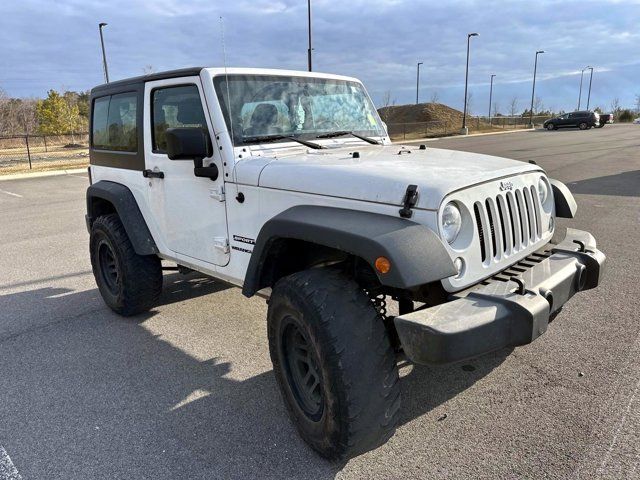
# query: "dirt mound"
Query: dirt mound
422,112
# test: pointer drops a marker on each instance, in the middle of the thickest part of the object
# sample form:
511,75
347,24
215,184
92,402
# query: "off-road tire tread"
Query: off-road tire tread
359,357
142,274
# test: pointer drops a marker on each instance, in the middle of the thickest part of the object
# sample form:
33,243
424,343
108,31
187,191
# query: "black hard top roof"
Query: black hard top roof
112,87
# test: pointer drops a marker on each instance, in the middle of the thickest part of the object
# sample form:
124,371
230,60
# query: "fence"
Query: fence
42,152
440,128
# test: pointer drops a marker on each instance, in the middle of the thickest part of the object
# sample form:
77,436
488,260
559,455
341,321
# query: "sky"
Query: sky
55,44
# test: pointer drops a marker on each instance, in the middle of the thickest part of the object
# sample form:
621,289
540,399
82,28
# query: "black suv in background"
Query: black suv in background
583,120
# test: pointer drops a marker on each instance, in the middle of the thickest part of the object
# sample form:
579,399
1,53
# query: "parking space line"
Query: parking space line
10,193
8,470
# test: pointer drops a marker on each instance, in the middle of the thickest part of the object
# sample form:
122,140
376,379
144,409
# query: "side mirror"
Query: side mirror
191,143
188,143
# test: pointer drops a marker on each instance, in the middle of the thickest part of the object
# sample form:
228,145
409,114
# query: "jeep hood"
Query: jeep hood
380,174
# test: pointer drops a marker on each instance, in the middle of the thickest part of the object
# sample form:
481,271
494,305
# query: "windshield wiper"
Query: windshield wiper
273,138
342,133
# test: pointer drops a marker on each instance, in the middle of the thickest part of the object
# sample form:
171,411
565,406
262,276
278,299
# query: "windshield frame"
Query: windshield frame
219,85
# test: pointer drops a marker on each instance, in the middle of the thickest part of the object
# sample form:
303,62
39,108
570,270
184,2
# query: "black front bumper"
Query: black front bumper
512,309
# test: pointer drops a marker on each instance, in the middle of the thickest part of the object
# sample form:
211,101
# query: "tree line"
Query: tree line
57,114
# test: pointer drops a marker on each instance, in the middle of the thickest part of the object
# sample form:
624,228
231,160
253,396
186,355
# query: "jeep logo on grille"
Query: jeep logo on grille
506,186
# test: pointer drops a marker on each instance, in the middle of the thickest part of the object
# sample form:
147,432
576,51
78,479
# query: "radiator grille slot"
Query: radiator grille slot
483,251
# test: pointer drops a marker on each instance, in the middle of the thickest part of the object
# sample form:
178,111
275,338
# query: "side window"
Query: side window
173,107
115,123
99,123
123,134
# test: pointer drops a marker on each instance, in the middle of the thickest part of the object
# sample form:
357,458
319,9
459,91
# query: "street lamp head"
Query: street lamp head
539,51
102,24
473,34
493,75
420,63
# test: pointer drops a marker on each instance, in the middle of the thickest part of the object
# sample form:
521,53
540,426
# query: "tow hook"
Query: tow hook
522,287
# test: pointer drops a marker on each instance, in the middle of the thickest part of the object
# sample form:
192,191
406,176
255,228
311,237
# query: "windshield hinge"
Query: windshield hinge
217,193
221,243
410,200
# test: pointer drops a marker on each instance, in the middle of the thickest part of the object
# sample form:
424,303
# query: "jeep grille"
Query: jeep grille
508,222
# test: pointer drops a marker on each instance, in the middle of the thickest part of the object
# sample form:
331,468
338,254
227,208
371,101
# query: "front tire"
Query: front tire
583,126
334,363
129,283
551,127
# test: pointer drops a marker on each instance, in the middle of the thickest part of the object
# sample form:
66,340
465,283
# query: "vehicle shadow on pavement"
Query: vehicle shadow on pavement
106,397
624,184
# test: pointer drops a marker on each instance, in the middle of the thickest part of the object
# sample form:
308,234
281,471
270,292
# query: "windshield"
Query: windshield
299,107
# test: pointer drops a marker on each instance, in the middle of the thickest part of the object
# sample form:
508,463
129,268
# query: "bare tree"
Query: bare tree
434,97
386,98
469,102
615,106
148,69
638,102
513,106
538,106
496,109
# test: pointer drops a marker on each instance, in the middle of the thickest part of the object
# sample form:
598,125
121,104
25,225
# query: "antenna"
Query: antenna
226,78
226,81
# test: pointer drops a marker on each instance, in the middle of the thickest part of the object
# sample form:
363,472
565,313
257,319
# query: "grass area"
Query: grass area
43,165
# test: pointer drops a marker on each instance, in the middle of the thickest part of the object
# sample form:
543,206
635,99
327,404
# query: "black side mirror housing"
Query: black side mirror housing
191,143
188,143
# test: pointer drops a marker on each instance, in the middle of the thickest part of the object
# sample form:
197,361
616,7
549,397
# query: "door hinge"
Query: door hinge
217,193
221,243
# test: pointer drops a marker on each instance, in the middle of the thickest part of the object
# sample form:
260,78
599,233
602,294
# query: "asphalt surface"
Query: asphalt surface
187,391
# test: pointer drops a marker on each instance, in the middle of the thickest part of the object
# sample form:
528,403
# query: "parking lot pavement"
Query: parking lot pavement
186,391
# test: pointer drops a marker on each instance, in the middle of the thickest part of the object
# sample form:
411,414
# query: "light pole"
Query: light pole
418,84
104,55
533,90
466,82
310,49
590,79
490,96
580,94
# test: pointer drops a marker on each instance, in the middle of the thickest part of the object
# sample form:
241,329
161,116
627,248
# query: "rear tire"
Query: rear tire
334,363
129,283
583,126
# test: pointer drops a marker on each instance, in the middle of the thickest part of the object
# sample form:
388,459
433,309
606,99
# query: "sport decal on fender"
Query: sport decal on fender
241,239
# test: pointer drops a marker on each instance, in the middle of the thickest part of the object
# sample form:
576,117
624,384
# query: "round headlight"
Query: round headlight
451,222
543,190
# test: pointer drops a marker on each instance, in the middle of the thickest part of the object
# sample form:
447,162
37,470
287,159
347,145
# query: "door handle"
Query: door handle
152,174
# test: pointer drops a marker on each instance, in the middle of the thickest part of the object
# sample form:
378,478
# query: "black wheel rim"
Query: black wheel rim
109,268
301,366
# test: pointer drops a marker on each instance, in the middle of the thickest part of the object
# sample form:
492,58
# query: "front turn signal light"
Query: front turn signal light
383,265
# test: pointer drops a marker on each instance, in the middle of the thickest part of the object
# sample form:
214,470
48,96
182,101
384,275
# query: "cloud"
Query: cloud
54,44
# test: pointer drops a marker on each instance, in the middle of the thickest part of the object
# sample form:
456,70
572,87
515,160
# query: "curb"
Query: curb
49,173
432,139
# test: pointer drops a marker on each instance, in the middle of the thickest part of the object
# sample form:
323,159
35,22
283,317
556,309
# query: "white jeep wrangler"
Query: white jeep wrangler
285,184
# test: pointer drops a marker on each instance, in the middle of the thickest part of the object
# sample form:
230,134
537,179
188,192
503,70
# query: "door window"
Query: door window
173,107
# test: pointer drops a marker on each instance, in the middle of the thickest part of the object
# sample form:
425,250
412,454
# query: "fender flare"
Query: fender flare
566,205
127,209
416,253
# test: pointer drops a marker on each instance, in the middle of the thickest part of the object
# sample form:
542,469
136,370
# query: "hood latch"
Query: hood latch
410,200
